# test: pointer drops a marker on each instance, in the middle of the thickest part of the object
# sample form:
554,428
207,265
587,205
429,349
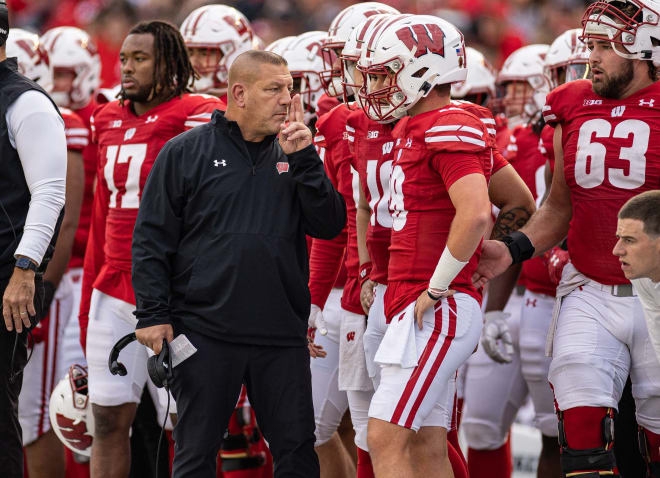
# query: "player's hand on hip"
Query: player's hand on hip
367,295
294,135
153,336
18,300
424,302
496,338
495,259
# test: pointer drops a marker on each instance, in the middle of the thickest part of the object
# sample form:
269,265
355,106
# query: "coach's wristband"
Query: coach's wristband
364,273
520,247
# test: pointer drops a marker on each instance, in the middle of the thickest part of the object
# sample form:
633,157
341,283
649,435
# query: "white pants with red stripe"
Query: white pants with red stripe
424,395
330,403
45,368
601,339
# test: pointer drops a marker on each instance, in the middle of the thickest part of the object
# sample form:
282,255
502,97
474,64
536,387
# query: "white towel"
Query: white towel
398,346
571,279
353,373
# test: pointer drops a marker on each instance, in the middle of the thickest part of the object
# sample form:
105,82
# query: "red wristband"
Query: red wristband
364,272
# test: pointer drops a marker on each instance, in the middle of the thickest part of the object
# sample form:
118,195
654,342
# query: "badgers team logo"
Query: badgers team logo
282,167
420,39
75,433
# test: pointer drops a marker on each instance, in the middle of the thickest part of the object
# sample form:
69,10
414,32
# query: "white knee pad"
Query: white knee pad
359,402
483,435
330,403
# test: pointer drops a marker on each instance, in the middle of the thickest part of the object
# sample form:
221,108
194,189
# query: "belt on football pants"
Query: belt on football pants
621,290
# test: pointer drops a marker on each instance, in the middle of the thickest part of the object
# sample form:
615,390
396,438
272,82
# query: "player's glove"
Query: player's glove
316,320
556,258
496,338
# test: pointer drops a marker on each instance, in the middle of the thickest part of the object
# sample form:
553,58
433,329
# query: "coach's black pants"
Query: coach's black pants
11,448
206,388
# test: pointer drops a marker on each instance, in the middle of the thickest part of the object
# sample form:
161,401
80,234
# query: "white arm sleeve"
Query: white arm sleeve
36,130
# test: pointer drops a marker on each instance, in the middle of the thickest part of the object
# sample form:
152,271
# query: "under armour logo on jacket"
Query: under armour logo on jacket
217,163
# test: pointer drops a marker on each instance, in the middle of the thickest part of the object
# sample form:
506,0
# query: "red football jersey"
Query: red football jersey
89,164
77,134
547,146
325,104
611,153
372,146
529,162
128,146
495,128
326,257
432,151
502,134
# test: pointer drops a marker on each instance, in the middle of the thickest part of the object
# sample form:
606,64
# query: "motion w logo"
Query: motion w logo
350,336
426,37
618,111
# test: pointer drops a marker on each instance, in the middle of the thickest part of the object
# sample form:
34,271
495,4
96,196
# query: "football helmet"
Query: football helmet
631,26
416,53
70,412
70,48
479,85
303,54
350,55
340,28
221,28
567,59
32,58
278,46
526,66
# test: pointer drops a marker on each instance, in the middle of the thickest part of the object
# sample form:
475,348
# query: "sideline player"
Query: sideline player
605,144
326,257
76,67
439,196
511,375
153,107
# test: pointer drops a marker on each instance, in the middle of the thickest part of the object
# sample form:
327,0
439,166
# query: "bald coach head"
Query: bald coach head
259,93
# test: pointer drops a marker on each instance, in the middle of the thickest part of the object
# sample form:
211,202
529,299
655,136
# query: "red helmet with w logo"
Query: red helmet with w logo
417,53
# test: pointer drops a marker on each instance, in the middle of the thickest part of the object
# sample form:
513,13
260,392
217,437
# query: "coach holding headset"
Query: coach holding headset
219,254
32,190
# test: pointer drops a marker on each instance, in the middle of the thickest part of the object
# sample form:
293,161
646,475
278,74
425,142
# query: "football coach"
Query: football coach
220,255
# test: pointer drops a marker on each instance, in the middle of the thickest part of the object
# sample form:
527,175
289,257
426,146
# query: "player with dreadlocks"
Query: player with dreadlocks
154,106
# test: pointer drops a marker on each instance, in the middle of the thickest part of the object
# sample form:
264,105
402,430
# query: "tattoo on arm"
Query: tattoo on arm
509,221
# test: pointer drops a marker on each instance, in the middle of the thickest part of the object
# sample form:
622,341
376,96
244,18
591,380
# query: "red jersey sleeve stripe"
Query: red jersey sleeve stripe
456,139
76,132
455,127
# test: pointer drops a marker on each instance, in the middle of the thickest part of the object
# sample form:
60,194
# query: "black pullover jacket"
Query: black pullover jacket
219,244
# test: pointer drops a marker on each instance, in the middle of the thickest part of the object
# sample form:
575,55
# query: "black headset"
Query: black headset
159,367
4,22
